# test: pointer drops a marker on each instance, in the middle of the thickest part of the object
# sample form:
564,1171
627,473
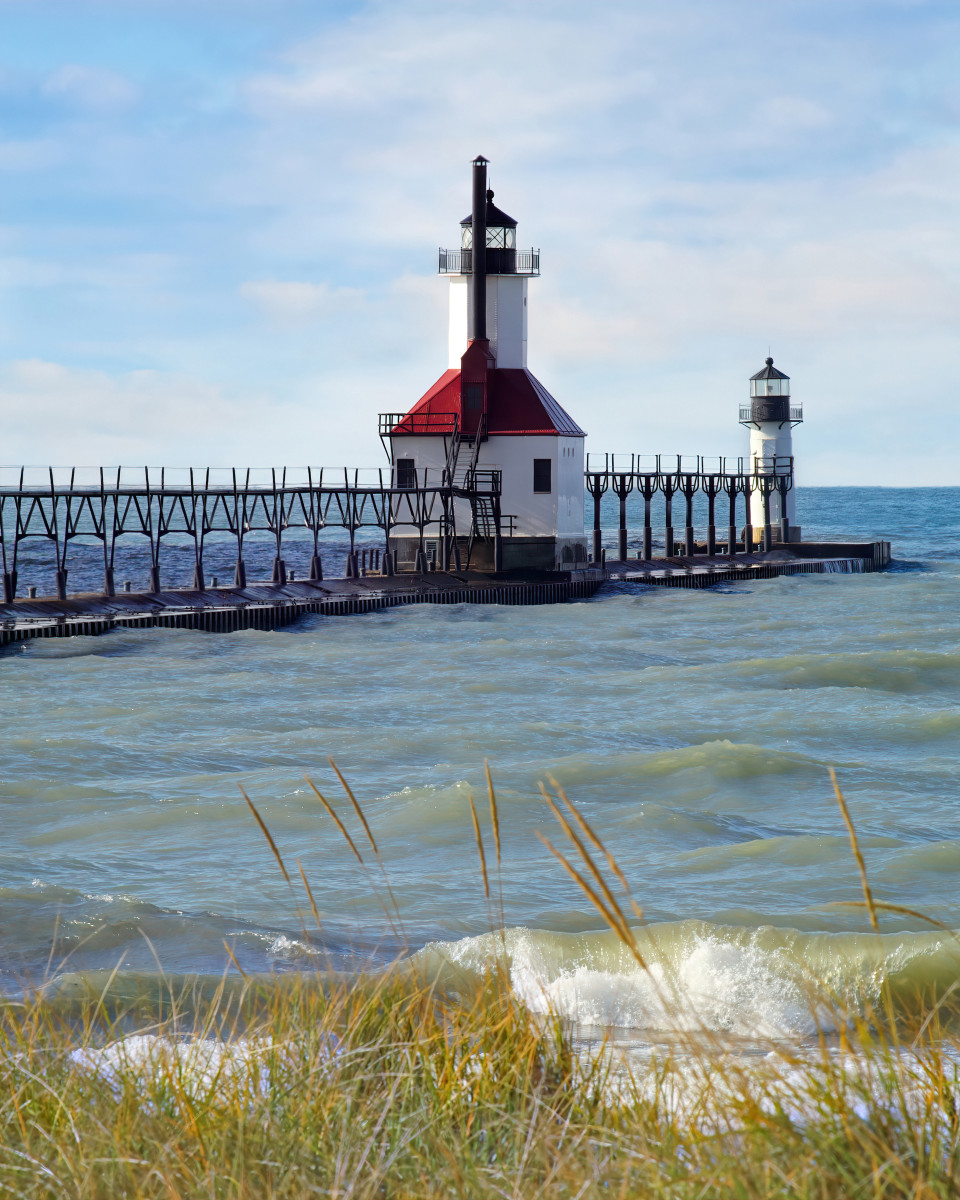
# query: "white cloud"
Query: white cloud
30,154
296,300
91,87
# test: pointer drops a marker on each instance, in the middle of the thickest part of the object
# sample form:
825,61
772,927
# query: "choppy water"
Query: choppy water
694,729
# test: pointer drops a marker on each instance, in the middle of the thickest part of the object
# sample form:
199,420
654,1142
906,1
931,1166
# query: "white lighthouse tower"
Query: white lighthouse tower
770,417
488,418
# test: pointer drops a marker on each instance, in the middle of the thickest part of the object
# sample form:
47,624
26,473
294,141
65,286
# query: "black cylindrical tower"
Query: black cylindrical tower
478,326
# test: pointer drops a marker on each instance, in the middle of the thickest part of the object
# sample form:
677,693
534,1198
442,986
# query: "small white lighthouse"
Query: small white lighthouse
488,417
770,417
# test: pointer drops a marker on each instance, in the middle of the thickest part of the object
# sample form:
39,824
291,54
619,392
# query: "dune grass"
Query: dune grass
402,1085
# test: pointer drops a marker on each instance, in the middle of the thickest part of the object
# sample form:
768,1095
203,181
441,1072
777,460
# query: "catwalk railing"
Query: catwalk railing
64,505
682,476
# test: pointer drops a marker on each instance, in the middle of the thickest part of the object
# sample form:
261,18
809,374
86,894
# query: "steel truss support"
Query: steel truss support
151,505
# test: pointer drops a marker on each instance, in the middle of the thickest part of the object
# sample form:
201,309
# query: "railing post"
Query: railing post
783,485
623,486
497,534
9,586
597,535
689,541
647,485
646,551
731,487
765,491
668,519
748,526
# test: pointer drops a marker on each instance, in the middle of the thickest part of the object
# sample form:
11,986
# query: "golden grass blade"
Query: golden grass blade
621,930
587,860
855,846
266,833
589,833
313,903
483,857
494,814
396,924
883,906
356,806
233,959
336,820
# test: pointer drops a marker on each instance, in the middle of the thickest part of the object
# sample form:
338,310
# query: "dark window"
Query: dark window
541,475
406,473
474,395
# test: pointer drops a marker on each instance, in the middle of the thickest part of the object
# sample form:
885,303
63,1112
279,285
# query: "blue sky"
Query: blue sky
219,221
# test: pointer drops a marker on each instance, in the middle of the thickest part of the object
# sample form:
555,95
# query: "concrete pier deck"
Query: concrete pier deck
270,606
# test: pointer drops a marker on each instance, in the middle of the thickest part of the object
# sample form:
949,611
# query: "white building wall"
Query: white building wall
535,513
506,318
570,487
769,440
459,320
557,513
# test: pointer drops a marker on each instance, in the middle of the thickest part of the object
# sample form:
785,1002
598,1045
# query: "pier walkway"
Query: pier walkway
270,606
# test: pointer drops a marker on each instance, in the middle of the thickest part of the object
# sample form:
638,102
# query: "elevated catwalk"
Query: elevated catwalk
271,606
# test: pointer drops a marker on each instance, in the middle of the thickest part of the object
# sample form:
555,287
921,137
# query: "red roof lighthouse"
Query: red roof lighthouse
499,415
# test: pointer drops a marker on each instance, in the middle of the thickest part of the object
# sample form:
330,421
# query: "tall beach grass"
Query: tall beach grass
424,1083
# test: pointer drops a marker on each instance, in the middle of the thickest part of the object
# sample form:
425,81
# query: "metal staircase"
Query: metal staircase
463,479
460,473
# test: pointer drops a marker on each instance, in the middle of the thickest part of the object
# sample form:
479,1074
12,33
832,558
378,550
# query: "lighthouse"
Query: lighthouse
488,427
770,417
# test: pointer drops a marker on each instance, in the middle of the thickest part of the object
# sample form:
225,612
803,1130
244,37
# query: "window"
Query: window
474,395
406,473
770,387
541,475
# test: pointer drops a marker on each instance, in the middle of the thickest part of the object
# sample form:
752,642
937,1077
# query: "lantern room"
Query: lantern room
770,382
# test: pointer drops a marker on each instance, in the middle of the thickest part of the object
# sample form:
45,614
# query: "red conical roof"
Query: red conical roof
517,404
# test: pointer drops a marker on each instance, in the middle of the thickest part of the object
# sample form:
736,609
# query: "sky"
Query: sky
219,221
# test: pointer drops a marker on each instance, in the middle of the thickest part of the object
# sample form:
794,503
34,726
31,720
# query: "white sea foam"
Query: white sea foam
202,1068
763,984
716,986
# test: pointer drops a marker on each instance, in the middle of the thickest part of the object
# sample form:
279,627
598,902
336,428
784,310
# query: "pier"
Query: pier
85,517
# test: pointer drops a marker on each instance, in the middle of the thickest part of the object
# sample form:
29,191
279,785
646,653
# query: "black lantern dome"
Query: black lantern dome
769,382
501,229
769,398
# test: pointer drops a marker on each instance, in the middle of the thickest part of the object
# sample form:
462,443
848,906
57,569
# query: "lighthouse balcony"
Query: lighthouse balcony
499,262
418,423
771,408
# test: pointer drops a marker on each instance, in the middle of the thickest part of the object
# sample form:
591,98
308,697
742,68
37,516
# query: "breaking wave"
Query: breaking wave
761,983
